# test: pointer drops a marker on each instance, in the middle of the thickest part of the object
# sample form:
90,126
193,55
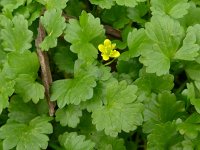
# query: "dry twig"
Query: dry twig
45,68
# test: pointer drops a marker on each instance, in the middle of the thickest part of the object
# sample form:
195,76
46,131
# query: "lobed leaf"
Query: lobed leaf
69,115
82,33
65,91
11,4
190,127
76,142
164,136
22,112
51,4
119,111
29,89
165,36
22,63
27,137
15,34
6,90
174,8
54,24
161,109
151,83
129,3
190,48
103,3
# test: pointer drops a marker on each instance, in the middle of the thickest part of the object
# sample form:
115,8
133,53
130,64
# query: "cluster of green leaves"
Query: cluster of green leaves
149,97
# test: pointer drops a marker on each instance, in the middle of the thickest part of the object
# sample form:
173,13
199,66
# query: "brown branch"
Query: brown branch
45,68
109,30
112,32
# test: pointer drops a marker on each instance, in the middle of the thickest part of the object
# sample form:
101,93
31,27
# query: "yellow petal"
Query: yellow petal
107,42
101,48
105,57
113,45
115,54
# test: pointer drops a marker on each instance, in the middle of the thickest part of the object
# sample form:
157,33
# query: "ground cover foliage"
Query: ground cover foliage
61,88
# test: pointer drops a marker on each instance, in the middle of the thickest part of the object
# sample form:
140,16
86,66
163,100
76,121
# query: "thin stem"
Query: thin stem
108,63
45,68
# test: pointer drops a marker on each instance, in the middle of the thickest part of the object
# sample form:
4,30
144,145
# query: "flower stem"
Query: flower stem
108,63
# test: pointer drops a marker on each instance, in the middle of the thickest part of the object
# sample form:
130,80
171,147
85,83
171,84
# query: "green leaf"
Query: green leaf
69,115
104,142
120,110
29,89
1,144
155,60
22,63
6,90
31,11
27,137
85,77
126,67
165,36
74,8
116,16
65,91
15,35
2,57
174,8
22,112
72,141
96,100
54,24
137,13
129,3
165,32
160,110
82,33
84,30
189,50
101,73
43,2
51,4
109,3
193,92
190,144
192,17
190,127
103,3
11,4
191,35
135,40
85,50
65,59
164,137
193,70
151,83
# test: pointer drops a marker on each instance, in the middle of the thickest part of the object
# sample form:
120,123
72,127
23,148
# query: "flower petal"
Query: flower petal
113,45
101,48
107,42
105,57
115,54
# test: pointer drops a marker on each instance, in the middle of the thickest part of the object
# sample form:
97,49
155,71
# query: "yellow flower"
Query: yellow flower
107,50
